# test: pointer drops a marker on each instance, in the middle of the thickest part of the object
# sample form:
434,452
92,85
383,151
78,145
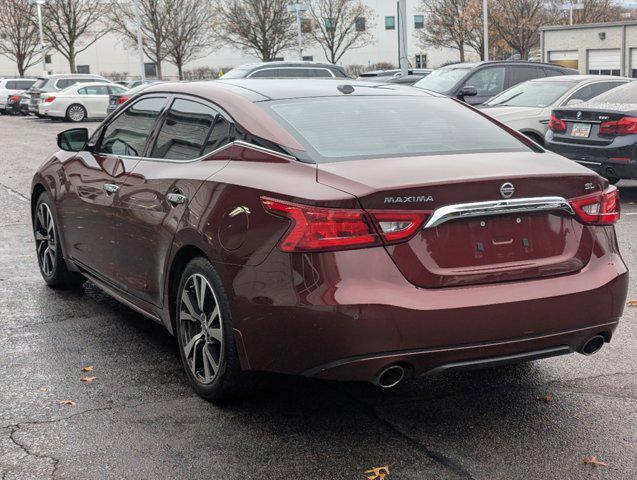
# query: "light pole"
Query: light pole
485,26
140,44
39,4
570,7
298,8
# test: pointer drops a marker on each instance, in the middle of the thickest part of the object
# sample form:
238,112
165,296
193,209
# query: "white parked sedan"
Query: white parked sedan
527,106
79,102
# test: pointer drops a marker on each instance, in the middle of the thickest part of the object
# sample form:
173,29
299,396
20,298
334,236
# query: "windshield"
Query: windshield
337,128
235,73
531,94
442,80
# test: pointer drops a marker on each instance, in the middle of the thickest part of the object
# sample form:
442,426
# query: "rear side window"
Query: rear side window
591,91
625,94
346,128
266,73
94,90
220,135
128,133
519,74
19,84
185,131
64,83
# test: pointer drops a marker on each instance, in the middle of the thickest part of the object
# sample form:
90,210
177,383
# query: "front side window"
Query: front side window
442,80
346,128
488,81
185,131
128,133
390,23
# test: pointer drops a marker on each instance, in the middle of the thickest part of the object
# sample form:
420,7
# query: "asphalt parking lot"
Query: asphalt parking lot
139,419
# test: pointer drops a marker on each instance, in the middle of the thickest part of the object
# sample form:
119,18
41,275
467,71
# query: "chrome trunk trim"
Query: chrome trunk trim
498,207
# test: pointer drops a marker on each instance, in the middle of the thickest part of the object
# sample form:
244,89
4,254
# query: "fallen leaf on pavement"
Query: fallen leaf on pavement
632,303
378,473
88,369
593,461
67,402
44,389
87,379
546,398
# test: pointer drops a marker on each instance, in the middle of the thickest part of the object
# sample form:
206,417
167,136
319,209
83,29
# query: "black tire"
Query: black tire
75,113
536,138
229,381
47,247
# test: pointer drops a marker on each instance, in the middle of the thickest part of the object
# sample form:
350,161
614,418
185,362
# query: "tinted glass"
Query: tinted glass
128,133
219,136
94,90
184,132
531,94
488,81
443,79
337,128
625,94
318,73
64,83
590,91
236,73
266,73
521,74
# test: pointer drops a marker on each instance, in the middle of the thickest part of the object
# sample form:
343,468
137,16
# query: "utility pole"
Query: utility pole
403,54
39,4
298,8
140,44
570,7
485,26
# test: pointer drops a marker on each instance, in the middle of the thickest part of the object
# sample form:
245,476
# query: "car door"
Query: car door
488,81
93,179
156,194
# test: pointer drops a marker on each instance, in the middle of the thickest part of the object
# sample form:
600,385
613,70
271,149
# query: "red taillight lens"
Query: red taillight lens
599,208
14,98
49,99
121,100
556,125
325,229
623,126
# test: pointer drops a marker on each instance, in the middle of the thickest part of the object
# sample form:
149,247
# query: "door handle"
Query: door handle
110,188
176,198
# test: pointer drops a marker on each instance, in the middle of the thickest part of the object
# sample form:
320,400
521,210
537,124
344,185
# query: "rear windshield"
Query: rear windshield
40,83
235,73
624,94
442,80
346,128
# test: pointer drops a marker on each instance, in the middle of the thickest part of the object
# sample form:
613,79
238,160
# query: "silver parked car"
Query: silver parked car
527,106
55,83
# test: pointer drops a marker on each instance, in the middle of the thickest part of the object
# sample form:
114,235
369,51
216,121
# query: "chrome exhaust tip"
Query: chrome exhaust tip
592,345
390,376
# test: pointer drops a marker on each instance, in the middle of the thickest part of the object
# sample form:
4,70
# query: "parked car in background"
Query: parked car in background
600,134
527,106
55,83
79,102
13,86
476,83
395,76
286,70
368,233
115,100
131,83
13,104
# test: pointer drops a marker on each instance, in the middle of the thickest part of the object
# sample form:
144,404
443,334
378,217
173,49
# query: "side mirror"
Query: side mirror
574,101
73,140
467,92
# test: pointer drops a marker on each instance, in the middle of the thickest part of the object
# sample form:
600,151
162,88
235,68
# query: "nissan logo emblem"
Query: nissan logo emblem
579,115
507,190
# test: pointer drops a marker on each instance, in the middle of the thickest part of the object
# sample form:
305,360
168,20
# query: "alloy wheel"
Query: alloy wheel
201,328
76,113
45,239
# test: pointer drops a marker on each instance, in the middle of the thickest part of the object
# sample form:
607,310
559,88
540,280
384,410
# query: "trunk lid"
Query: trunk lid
479,249
583,125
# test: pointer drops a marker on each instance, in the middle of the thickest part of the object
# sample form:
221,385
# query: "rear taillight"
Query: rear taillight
14,98
598,209
623,126
49,99
327,229
121,100
556,125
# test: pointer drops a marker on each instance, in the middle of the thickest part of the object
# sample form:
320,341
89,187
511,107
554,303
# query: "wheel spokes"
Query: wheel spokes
45,244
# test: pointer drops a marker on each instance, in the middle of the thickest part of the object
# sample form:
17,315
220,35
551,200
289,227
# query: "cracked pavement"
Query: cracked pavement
139,419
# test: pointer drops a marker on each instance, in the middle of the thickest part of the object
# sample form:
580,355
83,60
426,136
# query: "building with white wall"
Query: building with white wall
111,54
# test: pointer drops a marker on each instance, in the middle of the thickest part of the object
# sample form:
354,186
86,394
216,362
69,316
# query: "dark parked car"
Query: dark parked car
116,100
475,83
331,230
55,83
286,70
395,76
600,134
13,105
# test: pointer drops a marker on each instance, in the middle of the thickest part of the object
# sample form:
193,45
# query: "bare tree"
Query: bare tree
593,11
476,39
518,23
18,33
263,27
448,23
155,22
340,25
72,26
190,30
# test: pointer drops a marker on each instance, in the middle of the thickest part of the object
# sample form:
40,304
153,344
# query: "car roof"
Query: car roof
70,75
579,78
95,84
506,62
299,63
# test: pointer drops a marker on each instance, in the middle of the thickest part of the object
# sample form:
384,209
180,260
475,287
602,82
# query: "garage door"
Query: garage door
633,62
604,62
566,58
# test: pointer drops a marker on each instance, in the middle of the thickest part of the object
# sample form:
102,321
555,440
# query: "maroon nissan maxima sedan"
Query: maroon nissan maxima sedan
337,230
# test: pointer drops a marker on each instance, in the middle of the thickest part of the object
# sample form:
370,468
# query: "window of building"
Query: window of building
306,25
634,73
83,69
390,23
604,71
360,24
150,69
47,59
419,21
308,58
329,24
128,133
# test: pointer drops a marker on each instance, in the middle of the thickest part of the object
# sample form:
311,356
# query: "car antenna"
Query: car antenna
346,89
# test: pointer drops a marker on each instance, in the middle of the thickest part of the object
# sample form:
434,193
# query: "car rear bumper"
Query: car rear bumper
347,315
